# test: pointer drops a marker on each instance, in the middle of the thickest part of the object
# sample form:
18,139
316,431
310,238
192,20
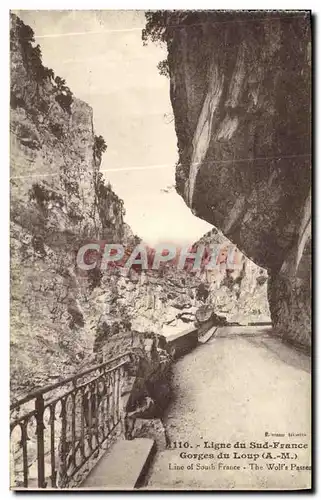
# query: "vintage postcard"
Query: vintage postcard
160,180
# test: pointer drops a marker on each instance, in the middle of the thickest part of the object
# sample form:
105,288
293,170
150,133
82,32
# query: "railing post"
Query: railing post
39,406
24,437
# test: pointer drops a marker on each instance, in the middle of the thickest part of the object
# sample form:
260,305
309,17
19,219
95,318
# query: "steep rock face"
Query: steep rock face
240,292
240,90
58,202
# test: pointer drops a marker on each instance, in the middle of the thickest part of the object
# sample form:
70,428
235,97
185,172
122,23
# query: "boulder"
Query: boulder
206,318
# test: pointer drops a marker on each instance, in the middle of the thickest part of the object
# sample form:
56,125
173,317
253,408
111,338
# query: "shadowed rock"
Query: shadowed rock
240,86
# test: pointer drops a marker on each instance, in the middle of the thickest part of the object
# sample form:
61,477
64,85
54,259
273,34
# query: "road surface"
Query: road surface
243,386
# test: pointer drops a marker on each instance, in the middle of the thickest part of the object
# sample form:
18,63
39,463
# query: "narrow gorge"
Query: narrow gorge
62,316
100,353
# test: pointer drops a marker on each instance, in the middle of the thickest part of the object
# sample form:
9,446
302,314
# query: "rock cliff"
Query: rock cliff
240,87
58,202
239,293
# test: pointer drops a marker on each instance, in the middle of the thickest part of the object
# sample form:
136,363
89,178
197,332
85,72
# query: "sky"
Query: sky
101,56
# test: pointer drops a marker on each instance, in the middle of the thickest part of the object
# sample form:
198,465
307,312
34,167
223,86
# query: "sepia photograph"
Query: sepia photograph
160,250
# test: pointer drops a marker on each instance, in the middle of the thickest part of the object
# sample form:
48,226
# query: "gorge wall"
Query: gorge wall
59,201
240,87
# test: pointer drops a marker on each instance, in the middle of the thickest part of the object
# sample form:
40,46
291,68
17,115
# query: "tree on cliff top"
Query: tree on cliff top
31,54
161,24
24,35
155,29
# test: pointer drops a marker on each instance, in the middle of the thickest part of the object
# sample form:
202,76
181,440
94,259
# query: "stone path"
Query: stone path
236,388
